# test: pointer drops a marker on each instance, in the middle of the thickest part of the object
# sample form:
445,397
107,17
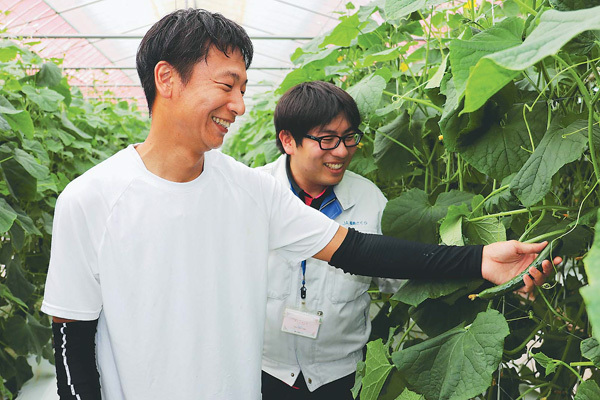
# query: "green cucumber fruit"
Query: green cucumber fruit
517,282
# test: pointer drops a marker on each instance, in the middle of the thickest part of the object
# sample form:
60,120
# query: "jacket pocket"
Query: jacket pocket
279,277
343,287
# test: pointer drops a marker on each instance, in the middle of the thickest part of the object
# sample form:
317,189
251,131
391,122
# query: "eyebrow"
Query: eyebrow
332,132
235,76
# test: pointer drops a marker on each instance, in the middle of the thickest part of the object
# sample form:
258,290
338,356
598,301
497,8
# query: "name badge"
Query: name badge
301,323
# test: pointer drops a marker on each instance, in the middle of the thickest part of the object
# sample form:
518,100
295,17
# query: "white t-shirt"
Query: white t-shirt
175,273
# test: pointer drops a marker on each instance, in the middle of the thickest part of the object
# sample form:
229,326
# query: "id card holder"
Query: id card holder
301,323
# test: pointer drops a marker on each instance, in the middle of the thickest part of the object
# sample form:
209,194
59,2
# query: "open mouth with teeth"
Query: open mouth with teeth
334,166
222,122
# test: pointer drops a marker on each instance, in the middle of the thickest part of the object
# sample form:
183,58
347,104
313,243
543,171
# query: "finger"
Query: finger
529,283
548,267
529,248
536,275
557,260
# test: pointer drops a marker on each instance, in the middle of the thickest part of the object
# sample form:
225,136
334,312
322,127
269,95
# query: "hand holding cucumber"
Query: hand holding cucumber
503,261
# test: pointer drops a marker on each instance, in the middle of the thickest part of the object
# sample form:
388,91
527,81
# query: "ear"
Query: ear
164,78
288,142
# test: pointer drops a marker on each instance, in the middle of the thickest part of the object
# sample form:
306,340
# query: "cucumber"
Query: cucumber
517,282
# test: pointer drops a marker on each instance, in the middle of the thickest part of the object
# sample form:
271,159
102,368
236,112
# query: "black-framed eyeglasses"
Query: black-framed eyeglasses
330,142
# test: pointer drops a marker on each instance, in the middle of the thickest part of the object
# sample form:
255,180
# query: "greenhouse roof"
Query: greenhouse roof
98,39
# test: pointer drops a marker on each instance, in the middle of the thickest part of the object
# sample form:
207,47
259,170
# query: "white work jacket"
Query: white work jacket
341,298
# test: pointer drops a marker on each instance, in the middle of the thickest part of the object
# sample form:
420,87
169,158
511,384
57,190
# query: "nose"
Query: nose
237,105
341,151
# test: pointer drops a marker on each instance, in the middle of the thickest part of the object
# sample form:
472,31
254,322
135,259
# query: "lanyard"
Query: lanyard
331,208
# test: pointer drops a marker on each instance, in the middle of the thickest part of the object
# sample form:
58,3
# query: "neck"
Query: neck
312,189
166,155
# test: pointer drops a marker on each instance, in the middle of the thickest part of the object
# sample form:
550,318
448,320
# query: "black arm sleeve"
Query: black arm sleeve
75,356
388,257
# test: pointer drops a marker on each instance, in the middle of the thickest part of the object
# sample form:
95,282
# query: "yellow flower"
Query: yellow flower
340,58
403,67
441,137
360,145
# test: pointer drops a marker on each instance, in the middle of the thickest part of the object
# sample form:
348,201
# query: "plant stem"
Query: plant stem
521,211
532,226
545,236
582,364
399,144
551,308
520,347
591,146
404,335
418,101
531,390
500,189
459,165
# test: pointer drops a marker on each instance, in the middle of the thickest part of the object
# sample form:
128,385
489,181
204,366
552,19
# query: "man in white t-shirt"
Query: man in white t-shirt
159,254
317,126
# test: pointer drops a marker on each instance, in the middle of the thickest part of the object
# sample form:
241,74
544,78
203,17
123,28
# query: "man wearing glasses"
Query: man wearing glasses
317,132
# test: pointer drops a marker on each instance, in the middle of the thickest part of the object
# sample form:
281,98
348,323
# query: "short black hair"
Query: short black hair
183,38
310,105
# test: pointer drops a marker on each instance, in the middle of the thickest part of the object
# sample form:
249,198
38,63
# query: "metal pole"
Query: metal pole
130,37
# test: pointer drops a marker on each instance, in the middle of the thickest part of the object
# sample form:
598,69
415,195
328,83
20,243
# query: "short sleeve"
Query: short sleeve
72,286
297,231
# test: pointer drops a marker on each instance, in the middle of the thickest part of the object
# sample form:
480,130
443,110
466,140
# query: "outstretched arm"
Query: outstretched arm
382,256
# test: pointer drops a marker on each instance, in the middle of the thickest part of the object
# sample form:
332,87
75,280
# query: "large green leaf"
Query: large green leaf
416,291
7,216
464,54
21,184
590,349
49,75
451,229
29,163
344,32
457,364
20,121
377,370
411,215
408,395
7,294
588,390
395,9
457,226
26,222
436,316
367,93
571,5
70,126
16,280
385,55
7,368
558,147
591,292
46,99
392,159
26,336
502,149
494,71
8,50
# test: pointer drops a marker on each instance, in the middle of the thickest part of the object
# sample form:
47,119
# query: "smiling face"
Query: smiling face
203,108
314,169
